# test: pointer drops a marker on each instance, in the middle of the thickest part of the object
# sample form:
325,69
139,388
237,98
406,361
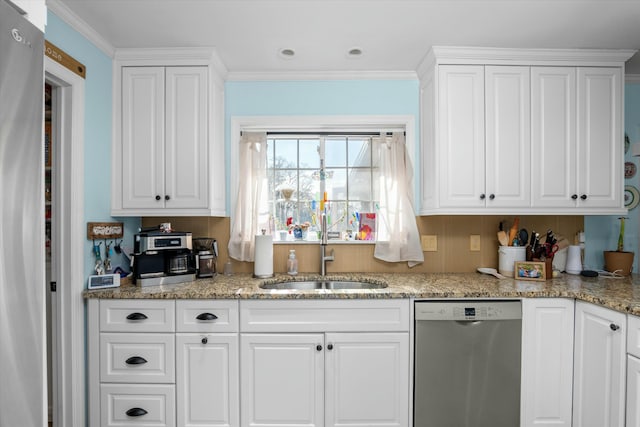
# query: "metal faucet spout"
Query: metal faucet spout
323,246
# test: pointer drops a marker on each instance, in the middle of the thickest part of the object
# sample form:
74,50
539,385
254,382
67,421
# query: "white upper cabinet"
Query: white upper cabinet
168,149
522,131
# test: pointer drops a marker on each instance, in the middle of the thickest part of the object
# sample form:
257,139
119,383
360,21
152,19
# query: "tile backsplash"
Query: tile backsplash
453,253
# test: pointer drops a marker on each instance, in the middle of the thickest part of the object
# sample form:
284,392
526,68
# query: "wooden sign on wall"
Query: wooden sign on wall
64,59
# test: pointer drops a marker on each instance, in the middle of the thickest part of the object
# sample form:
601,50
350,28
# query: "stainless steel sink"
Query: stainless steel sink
310,285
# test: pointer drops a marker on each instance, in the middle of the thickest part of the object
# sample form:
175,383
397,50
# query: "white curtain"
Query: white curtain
398,239
252,213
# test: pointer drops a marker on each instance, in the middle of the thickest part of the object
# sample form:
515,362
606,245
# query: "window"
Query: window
296,165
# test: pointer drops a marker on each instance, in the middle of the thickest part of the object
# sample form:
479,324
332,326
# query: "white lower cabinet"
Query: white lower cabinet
206,379
633,391
324,377
137,405
547,362
599,367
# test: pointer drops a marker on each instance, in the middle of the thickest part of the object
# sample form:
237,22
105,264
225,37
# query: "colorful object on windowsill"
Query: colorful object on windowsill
367,228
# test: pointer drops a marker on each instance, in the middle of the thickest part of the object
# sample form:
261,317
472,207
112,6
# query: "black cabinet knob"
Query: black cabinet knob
319,347
206,316
158,197
167,197
492,196
583,197
614,327
137,316
136,412
574,197
330,346
482,196
135,360
205,340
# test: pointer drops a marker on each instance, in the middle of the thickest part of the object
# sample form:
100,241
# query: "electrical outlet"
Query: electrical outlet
429,243
474,242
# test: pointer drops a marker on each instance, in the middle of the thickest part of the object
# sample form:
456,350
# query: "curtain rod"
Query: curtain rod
303,133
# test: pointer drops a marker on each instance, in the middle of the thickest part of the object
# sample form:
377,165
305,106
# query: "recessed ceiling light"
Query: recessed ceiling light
287,53
354,52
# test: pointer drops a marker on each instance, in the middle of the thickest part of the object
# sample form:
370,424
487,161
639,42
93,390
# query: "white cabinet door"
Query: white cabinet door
547,362
282,380
367,379
143,136
633,391
599,367
508,136
186,149
553,136
600,154
207,380
461,135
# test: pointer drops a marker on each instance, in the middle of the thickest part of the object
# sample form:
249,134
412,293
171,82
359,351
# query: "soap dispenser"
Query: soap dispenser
292,263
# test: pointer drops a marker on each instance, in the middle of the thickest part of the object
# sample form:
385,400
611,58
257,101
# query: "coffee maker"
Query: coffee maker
206,256
162,258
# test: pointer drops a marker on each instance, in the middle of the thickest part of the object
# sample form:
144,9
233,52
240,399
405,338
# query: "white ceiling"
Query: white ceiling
394,35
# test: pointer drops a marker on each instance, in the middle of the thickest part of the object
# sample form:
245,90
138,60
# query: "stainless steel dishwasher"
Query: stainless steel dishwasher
467,363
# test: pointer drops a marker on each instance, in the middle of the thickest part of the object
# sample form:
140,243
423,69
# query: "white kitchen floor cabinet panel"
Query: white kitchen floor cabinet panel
547,362
207,380
168,148
282,380
325,363
367,379
137,405
599,367
633,391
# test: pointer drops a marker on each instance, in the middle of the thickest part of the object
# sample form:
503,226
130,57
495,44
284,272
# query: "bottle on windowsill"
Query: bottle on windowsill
292,263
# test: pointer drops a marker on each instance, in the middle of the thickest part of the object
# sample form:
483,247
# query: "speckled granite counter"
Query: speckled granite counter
618,294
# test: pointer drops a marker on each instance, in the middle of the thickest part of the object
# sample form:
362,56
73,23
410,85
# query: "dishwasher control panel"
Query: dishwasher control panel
468,310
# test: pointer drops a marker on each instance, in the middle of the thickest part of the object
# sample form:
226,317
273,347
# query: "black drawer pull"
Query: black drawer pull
136,412
204,340
135,360
206,316
614,327
137,316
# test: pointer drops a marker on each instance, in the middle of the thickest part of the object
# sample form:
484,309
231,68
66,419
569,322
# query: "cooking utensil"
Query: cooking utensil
491,271
503,238
513,232
523,237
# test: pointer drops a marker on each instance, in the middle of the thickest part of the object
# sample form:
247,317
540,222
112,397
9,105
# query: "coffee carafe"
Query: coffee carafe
206,250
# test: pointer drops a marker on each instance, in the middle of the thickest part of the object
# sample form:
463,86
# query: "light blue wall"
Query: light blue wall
601,232
318,98
97,129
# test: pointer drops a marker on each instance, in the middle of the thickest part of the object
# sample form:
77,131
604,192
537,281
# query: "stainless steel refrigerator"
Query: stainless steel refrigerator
22,251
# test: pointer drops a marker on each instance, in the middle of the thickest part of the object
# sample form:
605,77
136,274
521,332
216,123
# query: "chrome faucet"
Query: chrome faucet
323,246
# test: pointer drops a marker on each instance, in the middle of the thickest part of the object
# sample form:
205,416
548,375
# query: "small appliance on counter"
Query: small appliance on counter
206,256
163,258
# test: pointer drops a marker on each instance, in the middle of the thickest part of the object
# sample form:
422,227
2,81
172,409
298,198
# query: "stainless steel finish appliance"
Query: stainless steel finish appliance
22,250
467,363
163,258
206,256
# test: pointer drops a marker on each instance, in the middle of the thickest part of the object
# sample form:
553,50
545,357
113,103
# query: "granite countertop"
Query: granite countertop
621,294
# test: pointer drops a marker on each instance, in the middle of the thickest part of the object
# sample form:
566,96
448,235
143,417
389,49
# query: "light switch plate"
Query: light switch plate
429,242
474,242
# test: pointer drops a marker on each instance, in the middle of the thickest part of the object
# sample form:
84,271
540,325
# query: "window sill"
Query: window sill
330,242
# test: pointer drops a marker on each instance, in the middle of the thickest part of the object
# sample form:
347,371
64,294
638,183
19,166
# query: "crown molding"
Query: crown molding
171,56
75,22
320,75
513,56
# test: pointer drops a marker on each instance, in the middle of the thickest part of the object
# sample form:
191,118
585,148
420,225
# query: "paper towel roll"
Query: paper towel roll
263,264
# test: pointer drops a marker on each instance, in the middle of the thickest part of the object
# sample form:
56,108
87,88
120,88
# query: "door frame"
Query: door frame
68,305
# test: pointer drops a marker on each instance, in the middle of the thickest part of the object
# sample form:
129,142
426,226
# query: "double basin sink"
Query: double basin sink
310,285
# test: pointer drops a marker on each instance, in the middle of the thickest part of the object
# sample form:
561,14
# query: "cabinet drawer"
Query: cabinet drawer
206,316
147,405
137,316
324,315
633,335
137,358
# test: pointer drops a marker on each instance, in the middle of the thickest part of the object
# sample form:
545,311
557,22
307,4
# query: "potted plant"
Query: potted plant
619,261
